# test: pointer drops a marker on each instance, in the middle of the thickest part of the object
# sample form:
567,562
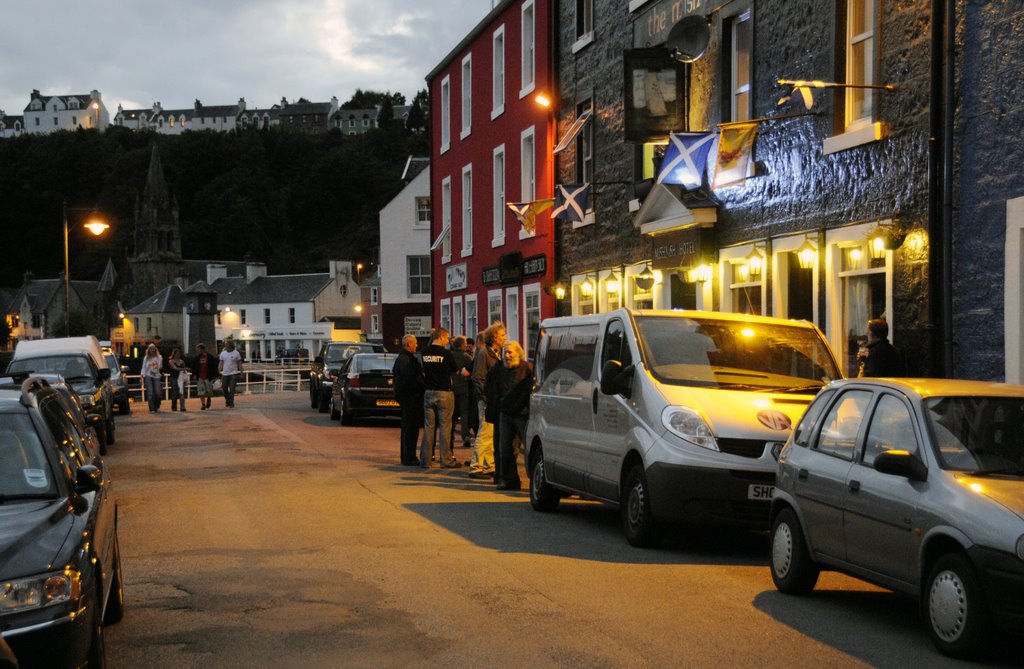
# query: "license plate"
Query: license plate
387,403
760,491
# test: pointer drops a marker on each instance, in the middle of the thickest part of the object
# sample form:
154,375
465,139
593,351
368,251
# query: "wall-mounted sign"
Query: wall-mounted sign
535,266
418,326
455,277
653,90
651,27
492,275
682,248
510,266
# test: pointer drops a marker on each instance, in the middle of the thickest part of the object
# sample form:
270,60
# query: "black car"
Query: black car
365,386
60,568
119,382
325,366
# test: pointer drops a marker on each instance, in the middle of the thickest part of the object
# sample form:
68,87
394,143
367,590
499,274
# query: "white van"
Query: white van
82,364
676,416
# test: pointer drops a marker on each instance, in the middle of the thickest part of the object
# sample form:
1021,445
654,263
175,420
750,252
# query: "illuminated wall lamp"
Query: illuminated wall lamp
755,263
556,290
587,289
701,274
612,284
806,255
876,245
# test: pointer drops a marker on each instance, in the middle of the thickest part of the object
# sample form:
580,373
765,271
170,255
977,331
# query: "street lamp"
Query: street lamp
97,227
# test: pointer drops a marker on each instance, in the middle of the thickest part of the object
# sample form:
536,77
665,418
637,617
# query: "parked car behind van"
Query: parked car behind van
674,416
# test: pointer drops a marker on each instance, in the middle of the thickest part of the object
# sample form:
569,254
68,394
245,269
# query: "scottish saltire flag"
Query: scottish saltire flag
526,212
571,202
735,147
685,159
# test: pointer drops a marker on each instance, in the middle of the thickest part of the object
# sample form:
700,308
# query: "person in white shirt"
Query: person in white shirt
230,367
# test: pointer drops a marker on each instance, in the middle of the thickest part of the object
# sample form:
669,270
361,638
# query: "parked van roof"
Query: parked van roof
35,348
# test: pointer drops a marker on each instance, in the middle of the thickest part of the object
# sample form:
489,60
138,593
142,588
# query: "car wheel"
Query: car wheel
638,522
110,430
955,607
325,402
115,600
346,412
124,407
97,646
101,438
335,414
542,496
313,395
793,570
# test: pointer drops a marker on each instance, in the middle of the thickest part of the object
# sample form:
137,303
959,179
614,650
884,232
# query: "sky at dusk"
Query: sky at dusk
138,53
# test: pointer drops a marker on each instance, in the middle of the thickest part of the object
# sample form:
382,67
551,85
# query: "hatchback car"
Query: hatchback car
365,386
60,568
916,485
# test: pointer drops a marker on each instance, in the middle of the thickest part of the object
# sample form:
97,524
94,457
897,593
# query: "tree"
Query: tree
82,323
369,99
386,115
417,121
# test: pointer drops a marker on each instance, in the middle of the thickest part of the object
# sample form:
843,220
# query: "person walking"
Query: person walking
204,368
409,387
880,358
438,400
229,367
515,383
178,371
481,465
460,388
152,376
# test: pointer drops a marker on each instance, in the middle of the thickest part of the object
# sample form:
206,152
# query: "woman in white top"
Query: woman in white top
152,375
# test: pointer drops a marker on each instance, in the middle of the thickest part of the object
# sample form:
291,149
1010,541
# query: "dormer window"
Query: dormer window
73,104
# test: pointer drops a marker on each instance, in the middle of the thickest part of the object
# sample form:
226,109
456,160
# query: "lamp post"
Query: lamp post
96,227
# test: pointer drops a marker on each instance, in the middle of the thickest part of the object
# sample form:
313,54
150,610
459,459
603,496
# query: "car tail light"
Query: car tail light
353,382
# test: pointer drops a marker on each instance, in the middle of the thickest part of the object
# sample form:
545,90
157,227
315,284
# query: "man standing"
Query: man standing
408,376
230,367
205,370
438,400
481,466
460,386
881,357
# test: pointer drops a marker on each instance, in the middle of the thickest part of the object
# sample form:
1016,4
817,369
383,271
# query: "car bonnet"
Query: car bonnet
32,535
1003,490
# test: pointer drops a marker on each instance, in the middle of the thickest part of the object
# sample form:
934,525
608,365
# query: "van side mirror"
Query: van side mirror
616,379
901,463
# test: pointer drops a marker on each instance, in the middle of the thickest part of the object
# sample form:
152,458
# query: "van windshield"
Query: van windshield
71,367
735,355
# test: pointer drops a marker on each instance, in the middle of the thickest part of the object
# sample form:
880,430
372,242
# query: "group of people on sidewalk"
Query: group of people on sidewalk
203,366
499,377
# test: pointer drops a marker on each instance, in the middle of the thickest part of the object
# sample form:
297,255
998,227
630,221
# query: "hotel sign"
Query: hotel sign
651,27
682,248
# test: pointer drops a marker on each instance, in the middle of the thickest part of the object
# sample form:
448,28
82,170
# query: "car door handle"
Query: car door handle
853,485
803,474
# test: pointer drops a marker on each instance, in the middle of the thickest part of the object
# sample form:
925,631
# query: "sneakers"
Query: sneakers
509,485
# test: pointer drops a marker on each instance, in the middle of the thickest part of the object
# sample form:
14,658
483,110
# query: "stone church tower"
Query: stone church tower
156,260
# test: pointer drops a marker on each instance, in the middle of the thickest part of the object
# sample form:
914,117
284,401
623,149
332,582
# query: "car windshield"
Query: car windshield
983,435
24,470
373,363
113,364
735,354
342,353
71,367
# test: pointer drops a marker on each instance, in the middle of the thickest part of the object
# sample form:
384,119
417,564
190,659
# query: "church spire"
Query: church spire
155,191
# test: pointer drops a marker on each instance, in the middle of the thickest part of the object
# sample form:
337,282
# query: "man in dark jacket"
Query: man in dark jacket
881,358
482,465
460,386
408,376
439,367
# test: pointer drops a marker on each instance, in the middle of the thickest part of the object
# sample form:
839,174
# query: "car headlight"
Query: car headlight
87,400
689,425
1020,547
38,591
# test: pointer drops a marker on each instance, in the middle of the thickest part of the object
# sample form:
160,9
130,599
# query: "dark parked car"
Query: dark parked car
60,568
365,386
916,485
119,381
325,366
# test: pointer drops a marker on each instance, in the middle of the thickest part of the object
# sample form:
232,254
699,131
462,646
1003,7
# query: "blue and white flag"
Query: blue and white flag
685,159
571,202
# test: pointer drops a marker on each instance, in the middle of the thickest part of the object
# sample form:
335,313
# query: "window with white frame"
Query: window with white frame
740,38
467,210
493,306
793,278
585,145
446,219
422,211
742,289
584,292
860,61
457,316
584,21
498,211
498,72
446,115
374,296
862,283
528,47
512,326
419,275
531,309
446,315
472,321
374,324
527,166
467,95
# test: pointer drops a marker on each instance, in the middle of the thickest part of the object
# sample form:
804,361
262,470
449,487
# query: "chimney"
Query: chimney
28,278
254,270
216,271
241,104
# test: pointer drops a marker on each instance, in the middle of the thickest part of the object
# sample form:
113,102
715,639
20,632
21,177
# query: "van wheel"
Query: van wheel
793,570
542,496
955,607
637,520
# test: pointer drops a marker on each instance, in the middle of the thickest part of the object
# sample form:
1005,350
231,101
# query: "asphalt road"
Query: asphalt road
270,536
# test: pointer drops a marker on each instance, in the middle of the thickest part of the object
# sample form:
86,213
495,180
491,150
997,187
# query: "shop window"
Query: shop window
457,317
472,321
446,315
493,306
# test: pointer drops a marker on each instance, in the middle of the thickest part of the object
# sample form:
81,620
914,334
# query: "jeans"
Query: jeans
412,419
510,428
228,385
438,406
177,397
483,446
461,413
153,391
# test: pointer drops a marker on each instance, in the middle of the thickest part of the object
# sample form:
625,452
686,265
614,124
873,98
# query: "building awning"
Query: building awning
663,210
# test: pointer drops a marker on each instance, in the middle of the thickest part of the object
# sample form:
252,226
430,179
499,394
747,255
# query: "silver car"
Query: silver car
916,485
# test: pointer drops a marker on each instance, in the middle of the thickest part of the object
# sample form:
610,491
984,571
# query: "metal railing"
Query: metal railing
256,378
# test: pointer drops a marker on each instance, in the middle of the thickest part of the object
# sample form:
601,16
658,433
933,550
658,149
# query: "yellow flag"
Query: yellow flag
735,148
526,212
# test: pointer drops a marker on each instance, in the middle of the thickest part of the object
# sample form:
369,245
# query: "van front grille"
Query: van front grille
747,448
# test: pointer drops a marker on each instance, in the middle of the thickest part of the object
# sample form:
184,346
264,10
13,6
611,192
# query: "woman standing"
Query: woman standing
152,374
179,378
515,383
